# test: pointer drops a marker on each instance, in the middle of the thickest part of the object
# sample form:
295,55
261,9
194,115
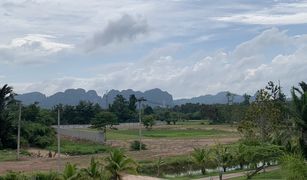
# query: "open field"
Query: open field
78,147
164,141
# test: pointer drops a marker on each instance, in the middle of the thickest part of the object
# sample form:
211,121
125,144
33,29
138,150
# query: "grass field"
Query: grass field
163,133
76,147
10,155
7,155
182,130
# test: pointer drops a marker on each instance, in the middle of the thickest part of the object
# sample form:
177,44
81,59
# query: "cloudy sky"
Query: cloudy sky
186,47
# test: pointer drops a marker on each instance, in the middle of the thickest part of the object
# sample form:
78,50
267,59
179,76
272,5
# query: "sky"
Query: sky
186,47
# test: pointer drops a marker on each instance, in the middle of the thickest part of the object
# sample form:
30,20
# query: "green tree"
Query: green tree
148,110
118,162
102,120
6,98
222,157
265,116
202,158
148,121
121,109
299,97
132,103
246,100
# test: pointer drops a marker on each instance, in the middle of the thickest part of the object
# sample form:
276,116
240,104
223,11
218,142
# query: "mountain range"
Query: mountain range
155,97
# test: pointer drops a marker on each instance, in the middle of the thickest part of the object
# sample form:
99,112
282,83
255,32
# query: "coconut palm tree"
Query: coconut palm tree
299,97
118,162
94,171
6,97
202,158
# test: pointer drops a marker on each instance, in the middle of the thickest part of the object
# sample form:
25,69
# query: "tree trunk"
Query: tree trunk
220,175
203,171
249,176
224,168
241,166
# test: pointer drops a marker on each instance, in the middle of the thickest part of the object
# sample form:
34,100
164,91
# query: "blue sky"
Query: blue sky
186,47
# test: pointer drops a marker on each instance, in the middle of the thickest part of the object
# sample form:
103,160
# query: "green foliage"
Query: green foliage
103,119
148,110
222,156
148,121
6,122
266,117
132,103
299,97
15,176
120,108
79,147
83,113
46,176
202,158
118,162
135,146
70,172
171,165
38,134
94,171
293,167
168,133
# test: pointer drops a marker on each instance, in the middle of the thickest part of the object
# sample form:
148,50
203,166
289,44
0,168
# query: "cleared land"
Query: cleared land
161,141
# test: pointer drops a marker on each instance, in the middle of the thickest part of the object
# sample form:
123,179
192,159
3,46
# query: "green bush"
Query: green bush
38,135
294,167
15,176
135,146
46,176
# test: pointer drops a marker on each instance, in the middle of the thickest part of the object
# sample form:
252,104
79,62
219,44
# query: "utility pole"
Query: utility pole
140,120
59,152
18,132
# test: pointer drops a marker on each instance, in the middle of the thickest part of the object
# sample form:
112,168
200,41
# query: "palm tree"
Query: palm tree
202,158
70,172
117,162
6,97
299,97
94,170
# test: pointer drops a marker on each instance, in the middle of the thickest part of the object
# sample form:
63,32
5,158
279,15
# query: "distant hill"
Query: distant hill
155,97
219,98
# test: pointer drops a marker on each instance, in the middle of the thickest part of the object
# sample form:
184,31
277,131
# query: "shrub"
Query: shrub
148,121
46,176
294,167
14,176
135,146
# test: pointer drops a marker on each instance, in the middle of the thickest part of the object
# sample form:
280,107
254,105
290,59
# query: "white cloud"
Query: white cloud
221,71
33,48
278,14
